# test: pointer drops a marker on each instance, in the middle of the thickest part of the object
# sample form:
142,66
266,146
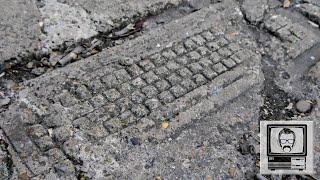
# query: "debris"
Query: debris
118,41
303,106
54,59
286,3
50,132
164,125
82,177
290,106
30,65
244,149
45,61
313,24
96,44
95,47
128,30
38,71
41,24
135,141
125,30
4,101
71,56
232,172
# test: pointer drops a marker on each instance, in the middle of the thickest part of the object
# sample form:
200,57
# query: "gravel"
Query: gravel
303,106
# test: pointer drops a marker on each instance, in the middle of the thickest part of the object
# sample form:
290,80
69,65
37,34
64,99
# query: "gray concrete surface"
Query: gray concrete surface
180,100
40,27
74,20
19,29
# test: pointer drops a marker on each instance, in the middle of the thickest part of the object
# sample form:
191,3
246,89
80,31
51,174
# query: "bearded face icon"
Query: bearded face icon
286,139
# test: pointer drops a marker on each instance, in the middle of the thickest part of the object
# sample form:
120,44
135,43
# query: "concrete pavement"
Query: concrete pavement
182,99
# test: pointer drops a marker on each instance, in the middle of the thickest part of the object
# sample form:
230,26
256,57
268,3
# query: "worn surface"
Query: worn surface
75,20
181,100
40,27
19,29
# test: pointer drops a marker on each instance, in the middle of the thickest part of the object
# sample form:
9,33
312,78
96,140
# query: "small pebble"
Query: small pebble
164,125
38,71
303,106
135,141
290,106
228,140
232,172
286,3
30,65
285,75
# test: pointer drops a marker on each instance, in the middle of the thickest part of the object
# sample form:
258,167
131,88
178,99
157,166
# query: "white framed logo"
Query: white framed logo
286,147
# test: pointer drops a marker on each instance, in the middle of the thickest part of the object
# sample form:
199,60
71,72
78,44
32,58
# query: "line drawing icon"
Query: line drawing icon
287,139
286,147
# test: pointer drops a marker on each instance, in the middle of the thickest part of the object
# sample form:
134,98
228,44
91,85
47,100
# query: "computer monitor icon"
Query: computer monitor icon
287,146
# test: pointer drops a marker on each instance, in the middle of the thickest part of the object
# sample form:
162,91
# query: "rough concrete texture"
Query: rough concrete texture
311,10
72,20
182,100
254,10
62,23
19,29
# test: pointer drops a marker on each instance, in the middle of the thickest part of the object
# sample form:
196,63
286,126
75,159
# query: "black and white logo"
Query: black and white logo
287,139
286,147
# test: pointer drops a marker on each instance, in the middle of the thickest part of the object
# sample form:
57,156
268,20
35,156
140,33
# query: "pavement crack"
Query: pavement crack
34,65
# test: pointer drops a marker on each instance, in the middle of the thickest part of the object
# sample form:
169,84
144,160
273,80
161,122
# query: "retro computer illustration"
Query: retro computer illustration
286,147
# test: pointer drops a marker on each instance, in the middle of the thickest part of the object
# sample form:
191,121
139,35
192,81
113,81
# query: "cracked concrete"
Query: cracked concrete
50,25
19,29
85,19
254,10
63,24
183,99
